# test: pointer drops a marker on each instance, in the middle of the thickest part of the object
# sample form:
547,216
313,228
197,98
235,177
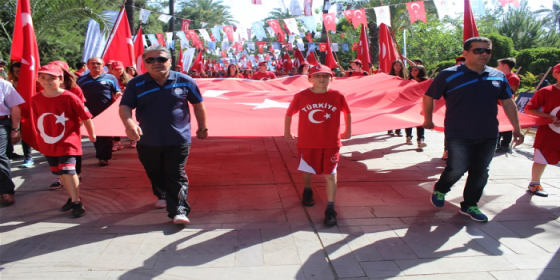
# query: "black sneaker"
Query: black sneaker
330,217
55,185
78,209
307,199
503,150
67,206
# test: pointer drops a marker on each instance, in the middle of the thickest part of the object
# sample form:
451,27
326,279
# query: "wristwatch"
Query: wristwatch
16,129
203,129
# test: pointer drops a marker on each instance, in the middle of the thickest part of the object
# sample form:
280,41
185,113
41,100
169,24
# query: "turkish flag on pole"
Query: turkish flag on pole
330,23
120,46
185,25
387,51
198,64
138,51
312,59
329,58
287,62
469,29
298,58
24,49
416,11
363,50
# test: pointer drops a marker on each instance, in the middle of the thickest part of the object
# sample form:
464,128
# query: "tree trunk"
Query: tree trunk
129,7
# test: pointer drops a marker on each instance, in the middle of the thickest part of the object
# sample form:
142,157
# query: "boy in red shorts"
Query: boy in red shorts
319,135
547,149
58,114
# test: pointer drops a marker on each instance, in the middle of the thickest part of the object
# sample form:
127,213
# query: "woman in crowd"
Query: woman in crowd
303,68
131,71
248,73
417,73
397,69
233,72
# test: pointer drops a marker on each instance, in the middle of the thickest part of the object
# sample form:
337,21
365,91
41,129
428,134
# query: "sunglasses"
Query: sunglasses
482,50
160,59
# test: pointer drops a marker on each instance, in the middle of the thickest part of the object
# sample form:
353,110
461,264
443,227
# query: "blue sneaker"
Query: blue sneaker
474,213
438,199
28,162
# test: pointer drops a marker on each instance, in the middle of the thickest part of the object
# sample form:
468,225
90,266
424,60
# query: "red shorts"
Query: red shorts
62,165
319,161
546,156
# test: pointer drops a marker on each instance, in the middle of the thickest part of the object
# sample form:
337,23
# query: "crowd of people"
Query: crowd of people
163,136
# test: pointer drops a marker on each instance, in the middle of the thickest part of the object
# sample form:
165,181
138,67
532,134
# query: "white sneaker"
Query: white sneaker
161,203
181,219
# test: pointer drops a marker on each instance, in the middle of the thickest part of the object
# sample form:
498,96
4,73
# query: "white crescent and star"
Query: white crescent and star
40,125
415,5
312,119
384,50
26,19
31,64
554,128
358,15
328,18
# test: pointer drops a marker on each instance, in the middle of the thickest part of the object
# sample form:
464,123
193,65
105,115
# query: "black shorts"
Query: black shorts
62,165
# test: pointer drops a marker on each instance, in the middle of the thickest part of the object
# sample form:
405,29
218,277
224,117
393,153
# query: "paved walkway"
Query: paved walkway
248,222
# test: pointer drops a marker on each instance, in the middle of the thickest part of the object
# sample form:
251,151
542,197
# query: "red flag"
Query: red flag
355,46
275,26
289,46
229,32
256,2
287,62
322,47
261,106
195,40
514,2
120,46
469,28
359,17
309,37
308,7
285,28
271,49
329,58
387,51
160,39
185,25
363,50
198,64
330,23
312,59
416,11
298,58
348,14
24,49
138,51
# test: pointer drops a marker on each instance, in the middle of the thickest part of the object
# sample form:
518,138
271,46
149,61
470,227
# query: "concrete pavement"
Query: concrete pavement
247,220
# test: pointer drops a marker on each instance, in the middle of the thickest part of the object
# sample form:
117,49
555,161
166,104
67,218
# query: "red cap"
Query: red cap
556,68
51,69
320,68
61,64
263,62
356,61
459,58
117,65
109,62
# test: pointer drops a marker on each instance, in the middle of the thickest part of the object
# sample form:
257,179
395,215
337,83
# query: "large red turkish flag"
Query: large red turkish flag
120,46
198,64
469,28
312,59
138,51
363,50
24,49
329,57
259,107
287,62
387,51
416,11
298,58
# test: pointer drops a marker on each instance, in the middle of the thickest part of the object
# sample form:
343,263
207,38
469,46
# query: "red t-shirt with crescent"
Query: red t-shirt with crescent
57,121
546,140
319,118
264,76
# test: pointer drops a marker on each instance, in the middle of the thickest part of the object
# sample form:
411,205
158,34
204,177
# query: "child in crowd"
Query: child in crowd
58,114
319,135
547,150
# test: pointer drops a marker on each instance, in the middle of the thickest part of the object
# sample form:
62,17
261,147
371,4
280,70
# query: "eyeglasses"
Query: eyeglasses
482,50
160,59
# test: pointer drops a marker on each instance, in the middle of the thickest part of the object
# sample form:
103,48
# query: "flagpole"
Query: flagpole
113,29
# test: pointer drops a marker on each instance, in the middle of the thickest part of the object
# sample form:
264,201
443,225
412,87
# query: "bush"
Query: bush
538,60
502,47
528,82
442,65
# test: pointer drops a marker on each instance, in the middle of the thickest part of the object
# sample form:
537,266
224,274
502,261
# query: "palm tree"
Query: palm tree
277,13
207,11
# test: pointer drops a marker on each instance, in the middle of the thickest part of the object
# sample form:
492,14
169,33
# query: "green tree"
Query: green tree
205,11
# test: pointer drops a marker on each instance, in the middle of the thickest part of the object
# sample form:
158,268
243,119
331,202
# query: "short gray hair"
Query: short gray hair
157,49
